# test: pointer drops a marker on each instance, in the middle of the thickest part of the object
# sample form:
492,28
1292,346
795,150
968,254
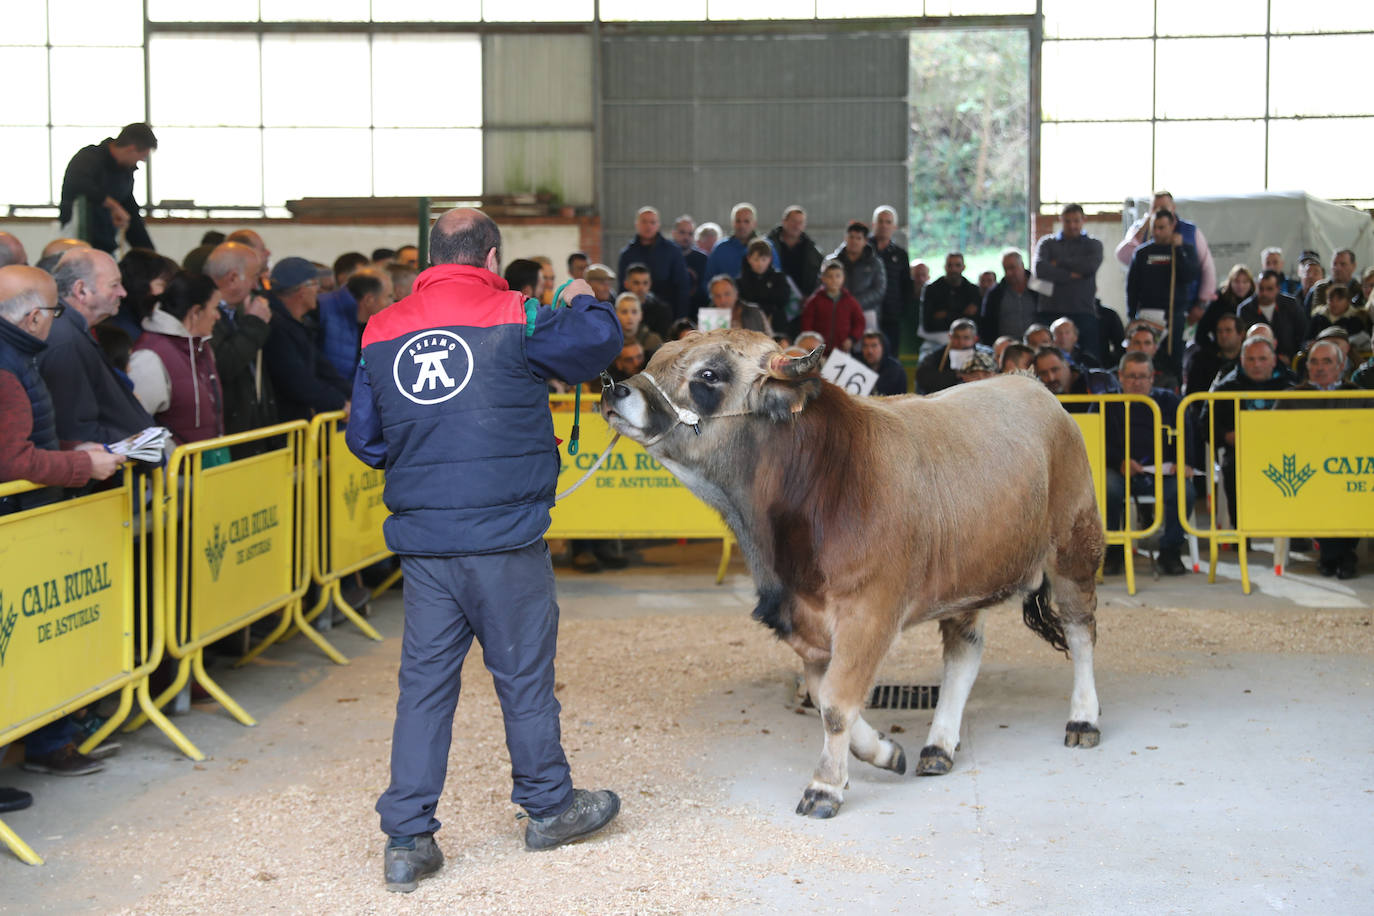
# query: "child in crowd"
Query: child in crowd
632,323
763,285
832,311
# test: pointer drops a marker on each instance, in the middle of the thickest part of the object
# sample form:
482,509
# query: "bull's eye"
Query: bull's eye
707,375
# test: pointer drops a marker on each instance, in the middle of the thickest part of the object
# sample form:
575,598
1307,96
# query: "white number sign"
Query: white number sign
849,373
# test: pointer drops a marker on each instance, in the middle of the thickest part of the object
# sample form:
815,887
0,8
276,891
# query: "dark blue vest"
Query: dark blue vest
471,460
18,354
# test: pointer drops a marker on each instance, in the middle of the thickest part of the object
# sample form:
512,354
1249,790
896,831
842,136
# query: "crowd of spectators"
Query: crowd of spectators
1184,331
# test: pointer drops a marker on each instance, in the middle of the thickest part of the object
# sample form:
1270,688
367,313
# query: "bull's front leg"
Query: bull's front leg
963,645
838,688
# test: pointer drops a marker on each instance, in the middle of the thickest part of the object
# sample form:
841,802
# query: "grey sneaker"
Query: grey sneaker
410,859
587,813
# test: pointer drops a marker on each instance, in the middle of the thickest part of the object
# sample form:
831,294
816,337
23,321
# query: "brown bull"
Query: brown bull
852,514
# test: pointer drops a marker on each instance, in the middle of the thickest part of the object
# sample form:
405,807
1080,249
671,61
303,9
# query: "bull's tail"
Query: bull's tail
1039,615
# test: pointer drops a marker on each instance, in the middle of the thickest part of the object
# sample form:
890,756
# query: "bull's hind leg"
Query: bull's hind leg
839,688
1074,594
1076,602
963,641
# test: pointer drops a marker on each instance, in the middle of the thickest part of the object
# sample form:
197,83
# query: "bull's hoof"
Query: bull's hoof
819,803
1081,734
935,761
898,762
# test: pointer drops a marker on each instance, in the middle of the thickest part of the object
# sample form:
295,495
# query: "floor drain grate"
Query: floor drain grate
904,696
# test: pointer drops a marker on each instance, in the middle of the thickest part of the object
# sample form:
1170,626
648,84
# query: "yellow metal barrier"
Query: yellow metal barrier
236,542
1299,473
68,631
1094,430
632,495
344,512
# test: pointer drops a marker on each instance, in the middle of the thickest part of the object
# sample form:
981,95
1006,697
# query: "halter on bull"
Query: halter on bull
845,509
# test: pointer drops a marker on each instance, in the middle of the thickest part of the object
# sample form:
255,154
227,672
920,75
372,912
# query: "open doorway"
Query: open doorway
969,160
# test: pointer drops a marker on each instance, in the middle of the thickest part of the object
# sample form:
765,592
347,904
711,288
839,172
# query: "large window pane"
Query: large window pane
426,10
315,162
1320,16
24,179
233,99
761,9
97,85
25,24
979,7
93,22
1210,157
406,67
1086,80
1189,17
1329,158
612,10
537,10
209,165
1210,77
67,141
438,163
1319,75
845,9
1093,162
219,11
316,81
315,10
26,67
1095,19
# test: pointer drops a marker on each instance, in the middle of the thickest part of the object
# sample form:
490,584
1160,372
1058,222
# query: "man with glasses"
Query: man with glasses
305,382
1136,372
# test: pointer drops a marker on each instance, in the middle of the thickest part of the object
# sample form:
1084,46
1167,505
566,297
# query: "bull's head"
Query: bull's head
693,385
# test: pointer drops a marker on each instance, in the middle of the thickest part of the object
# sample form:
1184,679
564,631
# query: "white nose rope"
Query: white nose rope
590,471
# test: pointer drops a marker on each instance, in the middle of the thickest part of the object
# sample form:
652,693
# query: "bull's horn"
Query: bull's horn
780,365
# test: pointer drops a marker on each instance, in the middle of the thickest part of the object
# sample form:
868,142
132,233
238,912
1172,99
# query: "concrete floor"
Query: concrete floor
1242,782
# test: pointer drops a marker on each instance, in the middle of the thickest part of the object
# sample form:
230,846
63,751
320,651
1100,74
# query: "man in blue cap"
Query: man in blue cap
305,382
451,399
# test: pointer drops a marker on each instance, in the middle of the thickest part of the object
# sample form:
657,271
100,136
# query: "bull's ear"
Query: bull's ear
779,400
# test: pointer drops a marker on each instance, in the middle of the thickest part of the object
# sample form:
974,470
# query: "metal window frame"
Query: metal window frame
1268,118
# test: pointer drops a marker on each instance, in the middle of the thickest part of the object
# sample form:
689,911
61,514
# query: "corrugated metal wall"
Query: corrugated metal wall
696,124
538,113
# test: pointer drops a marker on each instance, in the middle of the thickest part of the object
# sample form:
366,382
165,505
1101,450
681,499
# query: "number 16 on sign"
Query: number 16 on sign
849,373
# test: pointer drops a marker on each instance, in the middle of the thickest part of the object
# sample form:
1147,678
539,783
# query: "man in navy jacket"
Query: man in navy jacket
667,269
451,399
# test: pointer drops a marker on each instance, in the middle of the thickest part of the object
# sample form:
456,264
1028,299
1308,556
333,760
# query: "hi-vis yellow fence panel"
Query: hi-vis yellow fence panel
1093,426
632,495
69,599
344,512
236,537
1302,468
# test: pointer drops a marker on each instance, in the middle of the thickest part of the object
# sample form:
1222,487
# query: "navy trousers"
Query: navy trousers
506,600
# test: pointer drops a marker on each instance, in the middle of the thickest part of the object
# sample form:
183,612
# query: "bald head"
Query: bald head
234,267
466,236
12,250
252,240
58,246
27,296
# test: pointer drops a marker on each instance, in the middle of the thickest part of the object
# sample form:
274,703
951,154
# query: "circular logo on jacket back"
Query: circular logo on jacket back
432,367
